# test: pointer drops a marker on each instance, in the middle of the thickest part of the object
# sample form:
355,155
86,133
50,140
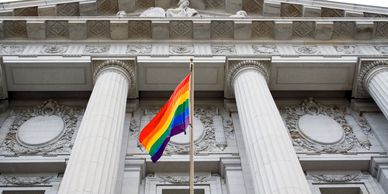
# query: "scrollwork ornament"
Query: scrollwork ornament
367,71
127,69
236,67
54,49
62,145
302,144
26,180
183,179
330,178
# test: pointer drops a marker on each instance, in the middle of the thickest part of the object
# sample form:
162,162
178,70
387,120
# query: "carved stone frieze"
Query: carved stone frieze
335,178
171,179
302,144
12,49
61,145
54,49
265,49
97,49
307,50
223,49
346,49
236,66
137,49
18,180
207,143
366,68
181,49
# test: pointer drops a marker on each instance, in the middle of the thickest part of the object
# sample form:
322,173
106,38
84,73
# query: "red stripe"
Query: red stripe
151,127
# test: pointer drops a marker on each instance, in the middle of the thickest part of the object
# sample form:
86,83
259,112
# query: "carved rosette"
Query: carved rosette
126,67
61,145
302,144
367,69
234,67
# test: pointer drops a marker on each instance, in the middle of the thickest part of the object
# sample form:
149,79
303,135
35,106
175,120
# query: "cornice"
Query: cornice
236,66
367,68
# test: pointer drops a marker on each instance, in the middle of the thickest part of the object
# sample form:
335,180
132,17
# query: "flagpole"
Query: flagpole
191,127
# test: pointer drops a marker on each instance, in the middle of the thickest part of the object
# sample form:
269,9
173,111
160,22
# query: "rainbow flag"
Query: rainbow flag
172,119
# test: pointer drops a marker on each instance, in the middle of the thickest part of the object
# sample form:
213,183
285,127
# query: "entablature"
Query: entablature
202,29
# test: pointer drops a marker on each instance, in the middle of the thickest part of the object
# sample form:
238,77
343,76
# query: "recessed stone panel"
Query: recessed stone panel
40,130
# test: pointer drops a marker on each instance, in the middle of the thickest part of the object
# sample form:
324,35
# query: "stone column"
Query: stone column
273,162
95,158
376,82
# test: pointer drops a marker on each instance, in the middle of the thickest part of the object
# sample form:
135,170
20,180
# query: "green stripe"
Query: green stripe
180,109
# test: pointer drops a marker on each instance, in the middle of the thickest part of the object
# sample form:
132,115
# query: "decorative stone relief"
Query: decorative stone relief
139,49
291,10
381,30
343,29
182,179
181,49
222,29
346,49
345,177
382,49
15,29
255,6
98,28
181,29
265,49
60,144
54,49
205,143
365,68
139,29
18,180
223,49
307,50
303,29
12,49
262,29
303,143
96,49
68,9
57,29
329,12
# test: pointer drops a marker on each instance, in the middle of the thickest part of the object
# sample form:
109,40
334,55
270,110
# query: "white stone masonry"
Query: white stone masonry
95,158
377,85
273,162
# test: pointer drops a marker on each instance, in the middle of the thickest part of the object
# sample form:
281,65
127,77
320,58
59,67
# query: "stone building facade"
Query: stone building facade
291,96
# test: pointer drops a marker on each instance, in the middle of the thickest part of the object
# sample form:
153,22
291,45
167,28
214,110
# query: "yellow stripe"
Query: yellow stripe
163,128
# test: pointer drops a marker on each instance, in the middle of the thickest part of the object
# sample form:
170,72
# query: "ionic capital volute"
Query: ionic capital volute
236,67
125,67
368,68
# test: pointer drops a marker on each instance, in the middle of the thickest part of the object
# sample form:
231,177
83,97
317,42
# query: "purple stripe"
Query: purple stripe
180,128
159,153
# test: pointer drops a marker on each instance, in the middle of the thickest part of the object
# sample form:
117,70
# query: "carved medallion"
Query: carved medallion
326,119
54,49
346,49
307,50
265,49
48,118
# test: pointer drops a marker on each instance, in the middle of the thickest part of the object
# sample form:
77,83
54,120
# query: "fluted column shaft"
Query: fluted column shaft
273,162
377,85
94,161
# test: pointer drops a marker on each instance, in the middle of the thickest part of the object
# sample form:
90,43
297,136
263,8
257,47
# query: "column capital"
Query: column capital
126,67
235,67
367,69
